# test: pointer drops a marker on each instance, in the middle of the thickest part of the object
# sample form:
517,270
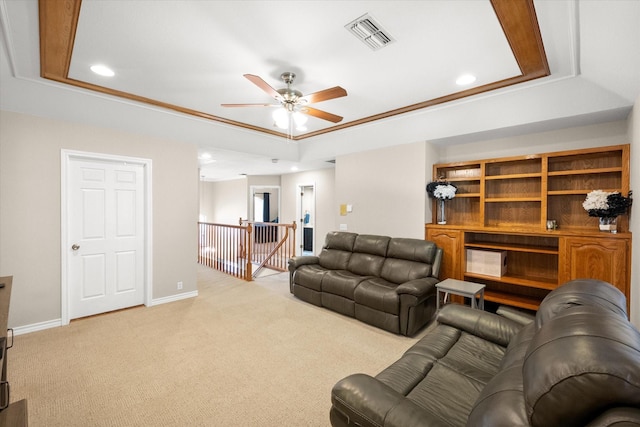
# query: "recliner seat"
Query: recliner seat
383,281
576,365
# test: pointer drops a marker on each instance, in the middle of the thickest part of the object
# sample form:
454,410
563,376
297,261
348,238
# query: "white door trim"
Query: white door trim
300,214
255,188
66,156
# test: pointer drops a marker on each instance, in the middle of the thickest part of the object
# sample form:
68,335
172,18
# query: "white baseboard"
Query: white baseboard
173,298
20,330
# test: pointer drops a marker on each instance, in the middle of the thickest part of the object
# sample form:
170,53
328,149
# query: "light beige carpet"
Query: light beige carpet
240,354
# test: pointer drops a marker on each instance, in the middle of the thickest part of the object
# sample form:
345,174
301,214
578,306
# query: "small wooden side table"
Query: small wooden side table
466,289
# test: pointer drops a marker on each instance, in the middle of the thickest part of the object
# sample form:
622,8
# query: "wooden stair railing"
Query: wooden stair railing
226,248
272,245
234,249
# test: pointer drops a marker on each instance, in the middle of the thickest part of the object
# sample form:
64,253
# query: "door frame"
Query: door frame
255,189
300,231
66,157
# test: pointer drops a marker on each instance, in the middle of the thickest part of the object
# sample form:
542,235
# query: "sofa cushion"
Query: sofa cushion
334,259
365,264
368,255
400,270
370,244
445,370
412,249
408,259
580,363
404,374
340,240
453,384
378,294
337,250
581,292
310,276
341,282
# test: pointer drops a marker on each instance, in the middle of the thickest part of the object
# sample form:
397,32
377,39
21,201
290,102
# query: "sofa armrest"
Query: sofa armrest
488,326
617,417
419,288
297,261
366,401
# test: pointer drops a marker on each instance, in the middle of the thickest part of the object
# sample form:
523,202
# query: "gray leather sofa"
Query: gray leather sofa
383,281
576,364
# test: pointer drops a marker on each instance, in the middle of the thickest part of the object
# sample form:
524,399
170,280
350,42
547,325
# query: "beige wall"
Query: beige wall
224,202
386,188
599,135
30,208
634,221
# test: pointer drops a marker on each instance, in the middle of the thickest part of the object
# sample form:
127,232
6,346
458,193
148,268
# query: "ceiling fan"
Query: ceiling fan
294,101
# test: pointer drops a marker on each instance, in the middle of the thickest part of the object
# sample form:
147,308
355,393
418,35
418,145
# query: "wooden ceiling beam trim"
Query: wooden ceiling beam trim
520,26
59,19
58,23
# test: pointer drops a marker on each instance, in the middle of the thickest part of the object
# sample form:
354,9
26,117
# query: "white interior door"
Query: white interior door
105,234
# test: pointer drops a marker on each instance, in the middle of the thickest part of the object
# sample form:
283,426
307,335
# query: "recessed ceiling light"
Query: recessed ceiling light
294,168
205,156
102,70
465,79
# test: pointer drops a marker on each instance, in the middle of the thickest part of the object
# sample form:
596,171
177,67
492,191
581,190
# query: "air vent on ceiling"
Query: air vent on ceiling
370,32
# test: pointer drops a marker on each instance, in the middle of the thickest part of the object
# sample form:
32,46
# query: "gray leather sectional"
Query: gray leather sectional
383,281
576,364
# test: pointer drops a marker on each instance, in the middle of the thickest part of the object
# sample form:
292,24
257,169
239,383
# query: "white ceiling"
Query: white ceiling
193,54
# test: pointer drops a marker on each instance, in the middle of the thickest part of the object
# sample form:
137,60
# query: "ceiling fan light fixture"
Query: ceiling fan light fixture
300,120
281,118
370,32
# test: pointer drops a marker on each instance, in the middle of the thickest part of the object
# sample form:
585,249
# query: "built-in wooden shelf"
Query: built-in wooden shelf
512,299
585,171
513,176
507,199
504,204
515,247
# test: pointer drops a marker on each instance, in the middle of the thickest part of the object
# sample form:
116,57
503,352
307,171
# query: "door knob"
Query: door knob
75,247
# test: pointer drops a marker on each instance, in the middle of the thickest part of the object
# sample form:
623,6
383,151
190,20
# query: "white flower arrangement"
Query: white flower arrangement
445,192
441,190
597,199
606,204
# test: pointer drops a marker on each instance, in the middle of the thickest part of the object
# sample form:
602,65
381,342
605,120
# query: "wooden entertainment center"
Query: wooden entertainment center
503,205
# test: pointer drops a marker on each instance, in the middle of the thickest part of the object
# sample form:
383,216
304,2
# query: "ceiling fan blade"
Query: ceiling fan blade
321,114
324,95
250,105
264,86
